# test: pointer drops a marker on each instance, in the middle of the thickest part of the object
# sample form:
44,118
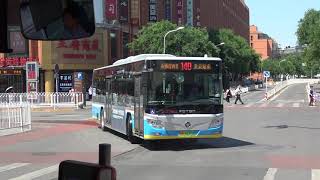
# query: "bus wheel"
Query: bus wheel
131,137
102,121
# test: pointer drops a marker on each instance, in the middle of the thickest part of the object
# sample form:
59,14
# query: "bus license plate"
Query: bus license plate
186,134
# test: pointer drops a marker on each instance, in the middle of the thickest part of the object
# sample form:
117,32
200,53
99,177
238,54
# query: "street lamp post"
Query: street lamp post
280,67
221,44
164,38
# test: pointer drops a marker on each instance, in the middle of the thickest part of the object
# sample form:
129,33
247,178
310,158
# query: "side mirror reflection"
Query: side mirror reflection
57,19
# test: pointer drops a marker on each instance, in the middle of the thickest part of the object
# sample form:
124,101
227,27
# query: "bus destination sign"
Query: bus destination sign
185,66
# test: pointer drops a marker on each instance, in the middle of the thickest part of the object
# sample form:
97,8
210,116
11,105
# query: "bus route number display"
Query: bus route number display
185,66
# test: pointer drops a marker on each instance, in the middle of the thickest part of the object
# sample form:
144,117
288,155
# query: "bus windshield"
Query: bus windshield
184,88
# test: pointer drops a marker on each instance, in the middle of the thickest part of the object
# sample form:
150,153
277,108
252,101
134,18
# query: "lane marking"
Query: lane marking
315,174
279,93
270,174
264,105
12,166
296,105
39,173
280,105
249,105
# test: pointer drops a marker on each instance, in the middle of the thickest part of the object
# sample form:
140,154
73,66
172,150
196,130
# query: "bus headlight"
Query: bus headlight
217,122
158,124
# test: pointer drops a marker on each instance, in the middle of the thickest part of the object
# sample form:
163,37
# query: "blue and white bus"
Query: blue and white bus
154,97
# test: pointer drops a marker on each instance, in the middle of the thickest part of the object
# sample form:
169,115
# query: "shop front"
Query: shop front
74,57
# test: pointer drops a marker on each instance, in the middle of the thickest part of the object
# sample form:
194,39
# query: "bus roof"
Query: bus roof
143,57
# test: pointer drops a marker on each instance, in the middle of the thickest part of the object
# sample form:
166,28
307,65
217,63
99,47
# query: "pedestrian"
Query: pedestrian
228,95
90,93
311,97
238,95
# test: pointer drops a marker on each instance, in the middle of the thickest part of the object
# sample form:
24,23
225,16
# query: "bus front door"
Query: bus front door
138,106
108,102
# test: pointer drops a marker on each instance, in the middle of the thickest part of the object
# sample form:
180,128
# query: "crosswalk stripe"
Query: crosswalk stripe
315,174
296,105
280,105
12,166
39,173
270,174
249,105
264,105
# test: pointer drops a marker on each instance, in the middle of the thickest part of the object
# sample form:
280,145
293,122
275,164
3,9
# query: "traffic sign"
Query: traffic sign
266,74
56,69
80,76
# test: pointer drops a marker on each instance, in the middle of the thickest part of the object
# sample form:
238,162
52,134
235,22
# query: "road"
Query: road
274,140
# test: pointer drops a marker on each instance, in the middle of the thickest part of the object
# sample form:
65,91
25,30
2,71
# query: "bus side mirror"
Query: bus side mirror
57,19
76,170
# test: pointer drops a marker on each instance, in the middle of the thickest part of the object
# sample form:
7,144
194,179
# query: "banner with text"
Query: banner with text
152,10
180,11
111,9
79,51
124,11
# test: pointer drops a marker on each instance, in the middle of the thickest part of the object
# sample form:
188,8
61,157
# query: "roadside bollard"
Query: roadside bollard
104,154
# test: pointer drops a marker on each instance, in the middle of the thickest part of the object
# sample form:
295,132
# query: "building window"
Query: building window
251,38
125,41
114,45
251,44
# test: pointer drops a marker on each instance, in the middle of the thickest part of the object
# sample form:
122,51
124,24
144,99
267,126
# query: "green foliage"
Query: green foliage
238,57
309,34
308,26
288,65
187,42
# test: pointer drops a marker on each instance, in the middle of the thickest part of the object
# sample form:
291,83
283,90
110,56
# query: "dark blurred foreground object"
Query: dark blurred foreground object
63,19
76,170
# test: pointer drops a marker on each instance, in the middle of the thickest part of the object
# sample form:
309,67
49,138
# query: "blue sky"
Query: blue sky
279,18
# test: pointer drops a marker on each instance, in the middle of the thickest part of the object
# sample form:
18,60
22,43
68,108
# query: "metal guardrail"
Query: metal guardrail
14,118
54,100
280,86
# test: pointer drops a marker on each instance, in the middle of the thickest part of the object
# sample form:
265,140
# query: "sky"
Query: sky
279,18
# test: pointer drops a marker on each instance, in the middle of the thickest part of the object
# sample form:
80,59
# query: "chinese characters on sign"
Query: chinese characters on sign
124,11
83,45
111,9
16,61
10,72
190,12
167,66
167,9
180,11
197,14
85,49
32,87
152,10
32,71
186,66
65,82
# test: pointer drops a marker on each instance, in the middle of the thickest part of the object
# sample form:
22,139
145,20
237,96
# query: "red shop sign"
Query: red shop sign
16,61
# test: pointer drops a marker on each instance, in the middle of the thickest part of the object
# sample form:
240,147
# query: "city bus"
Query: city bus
158,96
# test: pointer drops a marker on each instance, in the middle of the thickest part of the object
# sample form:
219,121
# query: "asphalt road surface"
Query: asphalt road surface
274,140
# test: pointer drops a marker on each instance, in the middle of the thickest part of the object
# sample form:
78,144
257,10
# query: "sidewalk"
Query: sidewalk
62,109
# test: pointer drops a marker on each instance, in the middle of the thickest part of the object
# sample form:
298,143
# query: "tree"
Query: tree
238,57
187,42
308,26
309,34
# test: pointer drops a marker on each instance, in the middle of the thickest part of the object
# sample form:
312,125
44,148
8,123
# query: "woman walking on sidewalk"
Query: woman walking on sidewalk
238,95
228,95
311,97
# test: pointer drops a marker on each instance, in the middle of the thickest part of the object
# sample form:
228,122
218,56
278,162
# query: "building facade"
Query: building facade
264,45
